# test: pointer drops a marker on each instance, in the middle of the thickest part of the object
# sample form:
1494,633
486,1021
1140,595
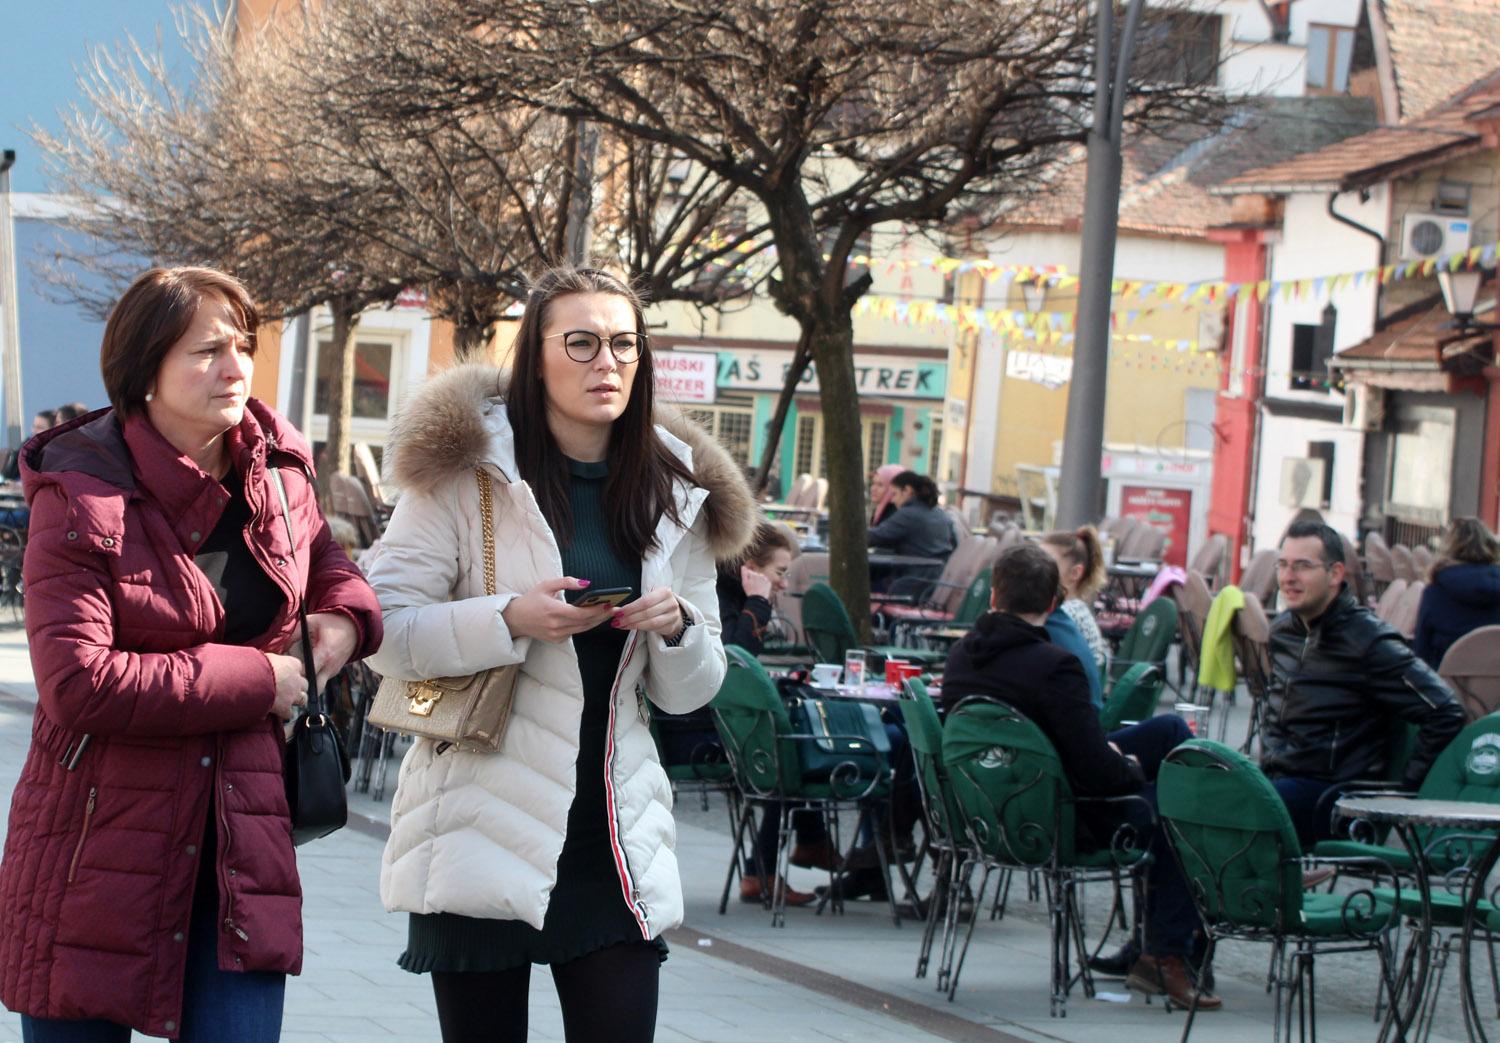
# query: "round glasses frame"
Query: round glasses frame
625,347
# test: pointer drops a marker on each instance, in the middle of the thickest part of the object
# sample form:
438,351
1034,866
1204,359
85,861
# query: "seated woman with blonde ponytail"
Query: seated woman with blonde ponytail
1080,566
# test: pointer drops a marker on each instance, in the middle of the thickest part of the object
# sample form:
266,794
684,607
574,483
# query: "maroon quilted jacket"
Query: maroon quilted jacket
97,876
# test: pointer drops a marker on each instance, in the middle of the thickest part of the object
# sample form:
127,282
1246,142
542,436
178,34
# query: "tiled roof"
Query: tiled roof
1379,153
1416,339
1164,187
1438,47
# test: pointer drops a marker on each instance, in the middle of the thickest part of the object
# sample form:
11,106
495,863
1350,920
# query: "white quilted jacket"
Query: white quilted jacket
480,835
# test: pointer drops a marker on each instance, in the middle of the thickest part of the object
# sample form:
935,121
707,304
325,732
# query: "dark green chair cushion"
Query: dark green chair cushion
1133,697
1447,908
1233,836
1009,785
1328,916
1398,858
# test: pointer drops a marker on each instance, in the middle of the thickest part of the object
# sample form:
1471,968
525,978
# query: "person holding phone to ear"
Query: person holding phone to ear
556,849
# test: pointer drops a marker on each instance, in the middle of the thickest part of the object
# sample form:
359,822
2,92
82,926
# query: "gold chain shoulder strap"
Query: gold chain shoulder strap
487,526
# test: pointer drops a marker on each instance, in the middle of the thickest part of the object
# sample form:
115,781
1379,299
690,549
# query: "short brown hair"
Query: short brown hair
1025,581
153,315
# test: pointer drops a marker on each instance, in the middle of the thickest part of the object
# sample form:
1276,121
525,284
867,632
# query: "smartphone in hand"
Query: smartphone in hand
614,597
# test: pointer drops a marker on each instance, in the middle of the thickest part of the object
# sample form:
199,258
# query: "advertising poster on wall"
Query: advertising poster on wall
1167,509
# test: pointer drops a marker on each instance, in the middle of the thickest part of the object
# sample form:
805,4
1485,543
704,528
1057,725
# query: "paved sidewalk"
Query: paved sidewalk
733,978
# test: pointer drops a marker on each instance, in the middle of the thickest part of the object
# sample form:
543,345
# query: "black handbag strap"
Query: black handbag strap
314,693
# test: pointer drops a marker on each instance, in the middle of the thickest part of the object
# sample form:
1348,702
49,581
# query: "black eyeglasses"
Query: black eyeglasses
584,345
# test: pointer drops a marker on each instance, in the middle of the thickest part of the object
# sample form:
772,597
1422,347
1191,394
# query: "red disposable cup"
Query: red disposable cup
893,671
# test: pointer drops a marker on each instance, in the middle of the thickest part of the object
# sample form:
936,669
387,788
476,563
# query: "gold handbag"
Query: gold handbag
469,712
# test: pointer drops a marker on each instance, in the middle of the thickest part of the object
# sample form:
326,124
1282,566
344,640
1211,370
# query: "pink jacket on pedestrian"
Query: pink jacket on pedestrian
100,861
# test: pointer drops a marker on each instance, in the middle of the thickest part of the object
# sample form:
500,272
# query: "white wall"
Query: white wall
1312,245
1283,437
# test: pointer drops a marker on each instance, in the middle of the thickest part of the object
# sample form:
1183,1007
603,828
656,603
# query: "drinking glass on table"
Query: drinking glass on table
854,669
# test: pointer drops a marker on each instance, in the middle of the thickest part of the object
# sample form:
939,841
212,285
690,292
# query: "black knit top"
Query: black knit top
587,910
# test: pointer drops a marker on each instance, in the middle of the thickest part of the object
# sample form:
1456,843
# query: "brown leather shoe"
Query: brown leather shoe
816,856
1168,976
753,889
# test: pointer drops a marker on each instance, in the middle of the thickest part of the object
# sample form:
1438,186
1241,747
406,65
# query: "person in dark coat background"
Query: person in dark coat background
148,879
918,528
1463,590
1008,657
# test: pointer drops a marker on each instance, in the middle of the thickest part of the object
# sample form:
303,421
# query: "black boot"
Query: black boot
1118,963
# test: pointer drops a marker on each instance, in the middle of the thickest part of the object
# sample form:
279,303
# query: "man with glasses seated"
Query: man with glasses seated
1342,682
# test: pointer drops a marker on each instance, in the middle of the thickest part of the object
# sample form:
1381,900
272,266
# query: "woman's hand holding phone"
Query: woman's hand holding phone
657,611
539,613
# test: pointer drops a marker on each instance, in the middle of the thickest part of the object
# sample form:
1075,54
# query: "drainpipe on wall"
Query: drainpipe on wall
1379,240
1379,288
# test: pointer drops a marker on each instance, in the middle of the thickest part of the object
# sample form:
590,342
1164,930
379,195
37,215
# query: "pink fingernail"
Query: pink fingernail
583,583
615,623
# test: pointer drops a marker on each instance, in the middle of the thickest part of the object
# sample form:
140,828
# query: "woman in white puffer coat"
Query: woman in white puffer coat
557,849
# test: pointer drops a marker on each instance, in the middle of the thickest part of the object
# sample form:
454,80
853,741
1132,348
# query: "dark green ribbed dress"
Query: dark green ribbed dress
587,910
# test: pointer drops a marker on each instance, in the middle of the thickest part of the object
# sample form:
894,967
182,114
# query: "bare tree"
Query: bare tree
830,116
214,173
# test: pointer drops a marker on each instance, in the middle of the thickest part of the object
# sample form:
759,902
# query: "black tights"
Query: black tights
608,994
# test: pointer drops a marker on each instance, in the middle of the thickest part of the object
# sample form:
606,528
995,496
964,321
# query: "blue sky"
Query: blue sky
41,47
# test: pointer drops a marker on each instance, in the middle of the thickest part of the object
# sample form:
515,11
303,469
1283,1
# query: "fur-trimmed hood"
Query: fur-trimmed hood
442,429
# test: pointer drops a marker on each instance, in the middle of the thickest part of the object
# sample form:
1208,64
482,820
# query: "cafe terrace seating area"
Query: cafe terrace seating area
1408,913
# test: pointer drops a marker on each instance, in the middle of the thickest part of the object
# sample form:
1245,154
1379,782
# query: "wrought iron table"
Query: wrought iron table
1408,815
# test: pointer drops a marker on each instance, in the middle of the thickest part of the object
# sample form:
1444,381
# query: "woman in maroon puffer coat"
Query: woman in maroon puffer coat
148,879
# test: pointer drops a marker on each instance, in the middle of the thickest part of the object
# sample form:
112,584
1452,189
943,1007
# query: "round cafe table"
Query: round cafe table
1408,815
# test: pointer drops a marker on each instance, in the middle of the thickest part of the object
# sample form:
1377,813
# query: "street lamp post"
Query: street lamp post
1083,437
10,320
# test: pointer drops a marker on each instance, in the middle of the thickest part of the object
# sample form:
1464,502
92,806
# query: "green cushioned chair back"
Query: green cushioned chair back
751,717
1151,634
925,733
1398,751
1467,769
1232,835
1133,697
826,624
976,600
1008,785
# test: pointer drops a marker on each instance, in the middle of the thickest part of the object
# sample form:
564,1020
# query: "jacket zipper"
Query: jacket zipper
222,857
622,863
88,815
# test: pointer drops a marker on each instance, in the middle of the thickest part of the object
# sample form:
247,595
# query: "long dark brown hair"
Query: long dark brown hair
642,469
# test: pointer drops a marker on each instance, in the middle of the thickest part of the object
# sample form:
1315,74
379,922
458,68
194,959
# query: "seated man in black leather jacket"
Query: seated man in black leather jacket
1342,682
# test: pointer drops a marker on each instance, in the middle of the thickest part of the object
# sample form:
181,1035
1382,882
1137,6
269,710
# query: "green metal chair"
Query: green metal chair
830,633
1238,849
1019,812
943,823
767,756
1147,640
1133,697
975,603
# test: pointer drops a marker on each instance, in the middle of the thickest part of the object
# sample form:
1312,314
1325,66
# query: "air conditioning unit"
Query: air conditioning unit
1364,407
1433,235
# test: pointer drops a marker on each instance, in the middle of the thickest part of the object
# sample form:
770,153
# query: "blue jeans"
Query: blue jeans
1302,797
217,1006
1172,918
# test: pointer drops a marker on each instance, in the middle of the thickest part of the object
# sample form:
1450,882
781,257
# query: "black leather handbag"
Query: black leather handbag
315,764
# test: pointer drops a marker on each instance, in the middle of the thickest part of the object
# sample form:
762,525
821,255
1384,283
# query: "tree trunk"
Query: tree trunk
335,456
470,340
800,359
831,339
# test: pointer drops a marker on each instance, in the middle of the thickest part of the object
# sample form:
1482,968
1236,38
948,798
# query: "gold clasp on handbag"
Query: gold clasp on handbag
423,698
